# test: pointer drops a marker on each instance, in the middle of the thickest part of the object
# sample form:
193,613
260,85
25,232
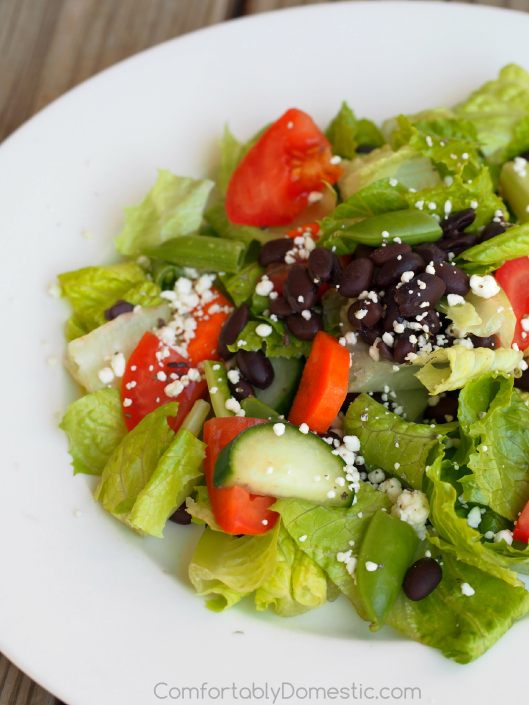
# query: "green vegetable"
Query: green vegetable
199,507
346,133
151,472
411,226
280,343
219,221
218,388
165,274
256,409
231,153
203,252
173,207
280,394
483,317
451,368
399,447
196,418
240,287
325,532
514,184
496,422
511,244
368,375
386,553
94,425
92,290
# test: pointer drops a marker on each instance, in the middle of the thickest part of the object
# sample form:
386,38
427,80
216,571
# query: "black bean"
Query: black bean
280,307
299,289
302,328
241,390
231,329
420,294
391,272
523,381
458,222
459,244
274,251
491,230
349,399
364,314
432,321
488,342
524,155
391,316
456,280
430,253
321,263
256,368
181,516
118,309
364,148
403,347
383,254
422,578
369,335
445,407
384,351
356,277
362,251
336,274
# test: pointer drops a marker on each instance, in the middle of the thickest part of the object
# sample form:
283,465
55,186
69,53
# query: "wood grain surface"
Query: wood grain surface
49,46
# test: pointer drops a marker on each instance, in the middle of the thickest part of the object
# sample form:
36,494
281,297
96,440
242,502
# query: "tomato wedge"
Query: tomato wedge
146,377
324,384
235,509
272,183
521,526
513,277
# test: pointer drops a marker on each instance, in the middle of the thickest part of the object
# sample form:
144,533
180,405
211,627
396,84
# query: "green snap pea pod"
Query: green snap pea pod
257,409
411,226
514,183
203,252
219,391
386,553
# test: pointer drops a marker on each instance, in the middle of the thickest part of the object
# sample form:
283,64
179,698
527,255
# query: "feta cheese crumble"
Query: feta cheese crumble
485,286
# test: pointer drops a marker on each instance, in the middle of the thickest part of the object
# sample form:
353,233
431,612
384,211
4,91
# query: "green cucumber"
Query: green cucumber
280,394
278,460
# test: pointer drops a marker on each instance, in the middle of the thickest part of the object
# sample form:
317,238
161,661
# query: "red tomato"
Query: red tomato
513,277
204,345
521,527
146,391
235,509
272,183
313,228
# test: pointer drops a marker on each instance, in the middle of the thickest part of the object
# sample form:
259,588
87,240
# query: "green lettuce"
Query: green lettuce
280,343
217,218
451,368
483,317
462,627
495,420
498,110
199,507
95,427
173,207
151,472
324,532
346,133
240,287
513,243
231,153
399,447
92,290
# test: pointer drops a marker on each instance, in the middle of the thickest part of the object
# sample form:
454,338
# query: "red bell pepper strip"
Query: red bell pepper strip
521,526
513,277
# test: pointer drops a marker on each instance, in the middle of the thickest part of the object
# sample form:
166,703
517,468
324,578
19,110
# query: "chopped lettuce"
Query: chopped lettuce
199,507
240,287
511,244
495,420
498,110
346,133
173,207
95,427
151,472
217,218
447,369
231,153
483,317
280,343
92,290
389,442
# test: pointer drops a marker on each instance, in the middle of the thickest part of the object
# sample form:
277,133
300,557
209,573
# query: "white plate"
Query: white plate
94,613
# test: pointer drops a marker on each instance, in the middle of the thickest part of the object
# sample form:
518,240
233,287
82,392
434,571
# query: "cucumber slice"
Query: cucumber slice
280,394
292,464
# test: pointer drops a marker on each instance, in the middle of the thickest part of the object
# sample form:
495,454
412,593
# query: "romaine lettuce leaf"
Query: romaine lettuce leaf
174,206
216,217
495,420
240,287
451,368
151,472
513,243
399,447
498,110
231,153
346,133
483,317
92,290
95,427
462,627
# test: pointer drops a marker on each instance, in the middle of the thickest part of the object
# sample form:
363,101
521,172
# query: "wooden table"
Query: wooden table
48,46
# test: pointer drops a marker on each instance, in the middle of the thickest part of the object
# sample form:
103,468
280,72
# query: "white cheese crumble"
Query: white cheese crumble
106,376
304,428
503,535
347,558
263,330
127,402
279,428
485,286
412,507
371,566
455,299
303,538
118,364
467,590
264,287
234,376
392,487
474,517
232,404
525,323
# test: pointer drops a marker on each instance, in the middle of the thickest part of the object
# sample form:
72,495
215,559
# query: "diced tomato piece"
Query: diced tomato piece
323,385
312,228
521,527
513,277
147,375
272,183
204,345
235,509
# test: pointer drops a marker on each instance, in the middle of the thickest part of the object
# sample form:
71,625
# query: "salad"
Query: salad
318,357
